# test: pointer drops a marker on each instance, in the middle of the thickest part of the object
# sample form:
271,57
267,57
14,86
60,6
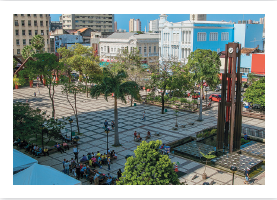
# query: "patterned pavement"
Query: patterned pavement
92,114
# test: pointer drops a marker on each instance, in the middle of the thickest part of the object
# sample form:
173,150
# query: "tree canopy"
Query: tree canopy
148,167
256,92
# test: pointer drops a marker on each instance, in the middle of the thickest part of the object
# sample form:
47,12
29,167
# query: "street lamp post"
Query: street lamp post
70,121
107,131
233,169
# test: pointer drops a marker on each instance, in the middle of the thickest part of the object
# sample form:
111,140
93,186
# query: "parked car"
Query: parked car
217,89
196,95
215,97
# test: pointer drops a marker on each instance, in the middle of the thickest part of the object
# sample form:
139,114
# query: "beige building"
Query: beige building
147,44
198,17
131,25
97,22
25,26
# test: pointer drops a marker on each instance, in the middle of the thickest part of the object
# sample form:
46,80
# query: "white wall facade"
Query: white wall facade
175,39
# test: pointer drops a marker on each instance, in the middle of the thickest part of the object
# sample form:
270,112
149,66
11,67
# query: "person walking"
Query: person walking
75,151
66,167
109,163
143,116
112,123
78,171
106,124
246,176
119,173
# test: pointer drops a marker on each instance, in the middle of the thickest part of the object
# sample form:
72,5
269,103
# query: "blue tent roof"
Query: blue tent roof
21,161
43,175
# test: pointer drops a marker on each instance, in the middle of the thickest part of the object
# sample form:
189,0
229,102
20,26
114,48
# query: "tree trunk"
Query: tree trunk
200,108
116,136
52,100
131,101
76,114
87,87
163,102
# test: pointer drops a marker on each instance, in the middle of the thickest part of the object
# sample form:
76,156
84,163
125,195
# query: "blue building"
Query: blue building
245,64
178,40
249,35
212,35
64,40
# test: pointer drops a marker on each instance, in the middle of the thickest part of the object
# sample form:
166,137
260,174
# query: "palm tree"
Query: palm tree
114,83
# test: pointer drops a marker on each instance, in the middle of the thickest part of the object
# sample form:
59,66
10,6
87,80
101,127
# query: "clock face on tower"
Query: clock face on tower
230,50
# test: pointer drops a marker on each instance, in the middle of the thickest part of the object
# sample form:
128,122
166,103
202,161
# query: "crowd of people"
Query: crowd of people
86,168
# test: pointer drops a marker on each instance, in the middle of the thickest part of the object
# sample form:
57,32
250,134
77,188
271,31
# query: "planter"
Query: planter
31,84
204,176
16,86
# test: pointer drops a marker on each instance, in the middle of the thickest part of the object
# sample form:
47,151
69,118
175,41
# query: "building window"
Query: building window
42,32
23,22
16,22
154,49
144,49
139,50
35,23
30,32
22,15
101,49
149,49
29,23
47,41
30,41
23,32
16,32
47,32
28,15
36,32
35,15
224,36
41,23
104,48
15,15
46,23
213,36
40,15
24,41
17,42
108,49
18,51
201,36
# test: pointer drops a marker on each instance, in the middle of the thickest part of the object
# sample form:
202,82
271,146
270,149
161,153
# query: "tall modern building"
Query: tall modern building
115,26
55,25
198,17
97,22
134,25
25,26
154,25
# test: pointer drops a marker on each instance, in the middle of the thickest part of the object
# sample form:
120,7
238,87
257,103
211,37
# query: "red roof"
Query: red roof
81,30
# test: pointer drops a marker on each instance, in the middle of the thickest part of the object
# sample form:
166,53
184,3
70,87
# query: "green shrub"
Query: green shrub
183,100
166,98
213,131
243,141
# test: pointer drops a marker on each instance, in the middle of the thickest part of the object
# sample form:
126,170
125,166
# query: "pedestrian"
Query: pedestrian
143,116
78,171
75,151
112,125
246,176
35,94
109,163
106,124
119,174
245,136
64,161
66,167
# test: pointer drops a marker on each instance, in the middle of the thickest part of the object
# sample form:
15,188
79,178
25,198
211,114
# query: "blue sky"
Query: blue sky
123,19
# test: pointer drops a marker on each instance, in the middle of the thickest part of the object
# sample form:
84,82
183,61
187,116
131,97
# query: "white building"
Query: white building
147,44
154,25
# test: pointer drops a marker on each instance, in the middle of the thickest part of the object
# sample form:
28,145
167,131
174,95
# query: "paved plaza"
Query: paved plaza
92,114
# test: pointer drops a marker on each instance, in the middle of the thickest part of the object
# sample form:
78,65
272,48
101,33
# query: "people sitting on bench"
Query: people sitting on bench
38,152
65,145
35,149
45,151
83,159
59,148
109,181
